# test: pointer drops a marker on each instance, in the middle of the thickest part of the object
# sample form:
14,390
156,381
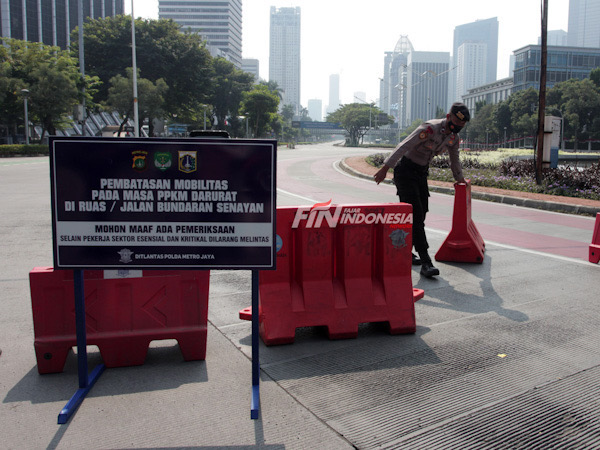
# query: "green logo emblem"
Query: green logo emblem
162,160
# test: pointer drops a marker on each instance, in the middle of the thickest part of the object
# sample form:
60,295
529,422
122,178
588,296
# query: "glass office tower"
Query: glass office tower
50,21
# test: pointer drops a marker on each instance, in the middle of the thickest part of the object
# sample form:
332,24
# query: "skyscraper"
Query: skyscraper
334,93
471,58
219,22
584,23
556,38
427,84
315,109
284,53
251,66
50,21
393,85
481,31
360,97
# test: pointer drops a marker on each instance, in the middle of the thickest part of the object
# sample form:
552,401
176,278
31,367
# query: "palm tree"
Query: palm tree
273,87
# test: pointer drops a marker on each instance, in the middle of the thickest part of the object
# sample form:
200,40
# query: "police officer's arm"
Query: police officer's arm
455,165
398,152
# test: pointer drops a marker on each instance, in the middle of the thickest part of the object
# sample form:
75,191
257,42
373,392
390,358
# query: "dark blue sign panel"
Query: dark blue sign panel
163,203
317,125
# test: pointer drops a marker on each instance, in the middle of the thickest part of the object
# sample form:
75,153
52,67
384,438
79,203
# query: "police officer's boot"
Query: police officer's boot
427,269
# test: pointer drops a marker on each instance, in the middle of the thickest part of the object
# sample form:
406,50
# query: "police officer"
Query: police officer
410,161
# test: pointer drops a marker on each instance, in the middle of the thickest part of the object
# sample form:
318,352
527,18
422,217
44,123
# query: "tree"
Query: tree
412,127
357,119
304,114
150,98
261,105
228,85
578,102
522,106
11,100
120,98
479,125
287,113
501,119
53,95
273,87
163,51
51,76
595,76
581,107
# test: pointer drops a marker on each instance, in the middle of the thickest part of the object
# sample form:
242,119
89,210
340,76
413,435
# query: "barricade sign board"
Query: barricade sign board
154,203
131,203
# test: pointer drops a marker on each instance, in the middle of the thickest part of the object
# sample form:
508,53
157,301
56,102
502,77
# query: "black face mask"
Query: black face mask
454,128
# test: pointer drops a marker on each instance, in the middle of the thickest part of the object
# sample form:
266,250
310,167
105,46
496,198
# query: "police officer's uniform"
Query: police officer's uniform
410,161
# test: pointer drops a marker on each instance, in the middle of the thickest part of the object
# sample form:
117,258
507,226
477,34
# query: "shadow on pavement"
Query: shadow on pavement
163,369
477,297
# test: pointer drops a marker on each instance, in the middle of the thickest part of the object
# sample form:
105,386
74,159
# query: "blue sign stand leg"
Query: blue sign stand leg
86,382
255,407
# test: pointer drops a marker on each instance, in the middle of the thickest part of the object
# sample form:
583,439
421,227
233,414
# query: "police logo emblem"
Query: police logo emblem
398,238
187,161
139,160
125,255
422,135
162,160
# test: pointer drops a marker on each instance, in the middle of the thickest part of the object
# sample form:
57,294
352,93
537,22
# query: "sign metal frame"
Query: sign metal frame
244,170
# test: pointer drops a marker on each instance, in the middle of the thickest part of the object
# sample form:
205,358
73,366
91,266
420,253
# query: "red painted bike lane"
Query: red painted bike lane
530,229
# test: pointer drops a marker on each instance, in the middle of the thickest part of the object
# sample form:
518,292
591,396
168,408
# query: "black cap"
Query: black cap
461,111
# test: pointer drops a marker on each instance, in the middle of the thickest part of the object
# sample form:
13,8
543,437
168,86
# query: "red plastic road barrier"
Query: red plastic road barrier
122,315
337,267
464,243
595,245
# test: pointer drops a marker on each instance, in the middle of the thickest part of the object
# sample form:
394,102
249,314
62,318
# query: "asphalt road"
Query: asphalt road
505,355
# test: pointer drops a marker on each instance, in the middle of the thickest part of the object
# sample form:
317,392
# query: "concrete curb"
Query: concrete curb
506,199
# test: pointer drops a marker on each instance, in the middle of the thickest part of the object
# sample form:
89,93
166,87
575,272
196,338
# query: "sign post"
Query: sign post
255,406
86,382
161,204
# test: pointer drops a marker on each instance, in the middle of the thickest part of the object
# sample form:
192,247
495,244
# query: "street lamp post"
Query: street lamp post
245,117
136,117
562,131
504,137
25,94
428,112
401,104
487,145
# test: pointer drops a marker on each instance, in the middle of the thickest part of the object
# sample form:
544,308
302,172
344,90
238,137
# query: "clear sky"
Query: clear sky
350,38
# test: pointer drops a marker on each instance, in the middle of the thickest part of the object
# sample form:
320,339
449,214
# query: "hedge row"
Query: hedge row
7,151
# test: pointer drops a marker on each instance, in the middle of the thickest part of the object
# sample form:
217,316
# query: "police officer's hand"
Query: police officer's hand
381,174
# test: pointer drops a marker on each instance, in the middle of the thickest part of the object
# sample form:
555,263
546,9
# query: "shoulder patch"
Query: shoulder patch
430,130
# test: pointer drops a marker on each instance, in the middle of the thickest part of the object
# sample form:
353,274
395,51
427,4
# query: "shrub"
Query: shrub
467,162
23,150
518,175
376,159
